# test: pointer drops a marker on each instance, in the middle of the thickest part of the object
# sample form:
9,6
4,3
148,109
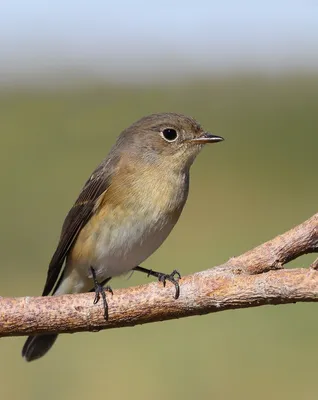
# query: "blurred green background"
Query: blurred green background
73,75
258,183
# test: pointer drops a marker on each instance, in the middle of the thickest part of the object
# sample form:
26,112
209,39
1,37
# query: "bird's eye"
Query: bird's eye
169,134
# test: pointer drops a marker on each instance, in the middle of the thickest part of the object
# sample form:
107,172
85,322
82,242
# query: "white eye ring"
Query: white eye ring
169,135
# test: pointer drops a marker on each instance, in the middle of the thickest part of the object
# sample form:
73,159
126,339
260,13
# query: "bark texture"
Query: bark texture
252,279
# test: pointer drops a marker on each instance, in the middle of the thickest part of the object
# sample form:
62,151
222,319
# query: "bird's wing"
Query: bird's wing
77,217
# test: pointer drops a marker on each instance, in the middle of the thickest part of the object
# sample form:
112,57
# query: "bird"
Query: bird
124,212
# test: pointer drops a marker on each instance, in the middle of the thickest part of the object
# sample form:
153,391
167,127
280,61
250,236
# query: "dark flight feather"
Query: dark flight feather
77,217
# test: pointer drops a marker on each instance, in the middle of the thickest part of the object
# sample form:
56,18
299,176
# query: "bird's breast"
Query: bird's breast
130,223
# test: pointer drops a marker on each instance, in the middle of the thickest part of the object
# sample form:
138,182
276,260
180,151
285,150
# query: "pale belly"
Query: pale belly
126,247
114,248
117,251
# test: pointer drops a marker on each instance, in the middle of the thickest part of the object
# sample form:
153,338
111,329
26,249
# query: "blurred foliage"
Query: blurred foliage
258,183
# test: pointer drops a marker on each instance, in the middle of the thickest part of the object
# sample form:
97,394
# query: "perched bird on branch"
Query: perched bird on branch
125,211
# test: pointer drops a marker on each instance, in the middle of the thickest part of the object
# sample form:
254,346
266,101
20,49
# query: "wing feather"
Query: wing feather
77,217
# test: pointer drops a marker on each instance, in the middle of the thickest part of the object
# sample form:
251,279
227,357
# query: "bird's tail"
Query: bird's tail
36,346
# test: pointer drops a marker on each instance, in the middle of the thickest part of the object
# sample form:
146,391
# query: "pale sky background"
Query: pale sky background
140,39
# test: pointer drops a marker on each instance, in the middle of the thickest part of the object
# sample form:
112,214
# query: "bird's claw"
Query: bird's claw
173,278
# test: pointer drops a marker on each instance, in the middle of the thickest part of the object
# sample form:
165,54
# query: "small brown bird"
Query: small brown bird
125,211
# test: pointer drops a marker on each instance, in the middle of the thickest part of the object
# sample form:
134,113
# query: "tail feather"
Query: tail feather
36,346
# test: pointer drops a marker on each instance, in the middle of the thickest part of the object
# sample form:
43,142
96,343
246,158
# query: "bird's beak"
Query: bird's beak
206,137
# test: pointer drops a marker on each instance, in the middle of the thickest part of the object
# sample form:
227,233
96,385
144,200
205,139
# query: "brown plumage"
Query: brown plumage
125,210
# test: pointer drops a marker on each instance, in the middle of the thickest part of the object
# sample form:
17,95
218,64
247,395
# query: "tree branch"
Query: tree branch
253,279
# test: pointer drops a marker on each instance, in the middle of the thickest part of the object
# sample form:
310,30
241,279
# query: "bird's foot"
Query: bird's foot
100,291
173,278
162,277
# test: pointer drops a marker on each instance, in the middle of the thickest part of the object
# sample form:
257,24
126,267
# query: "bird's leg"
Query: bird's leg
162,277
100,290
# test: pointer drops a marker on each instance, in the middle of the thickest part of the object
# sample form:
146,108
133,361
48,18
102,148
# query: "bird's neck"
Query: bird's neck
150,188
